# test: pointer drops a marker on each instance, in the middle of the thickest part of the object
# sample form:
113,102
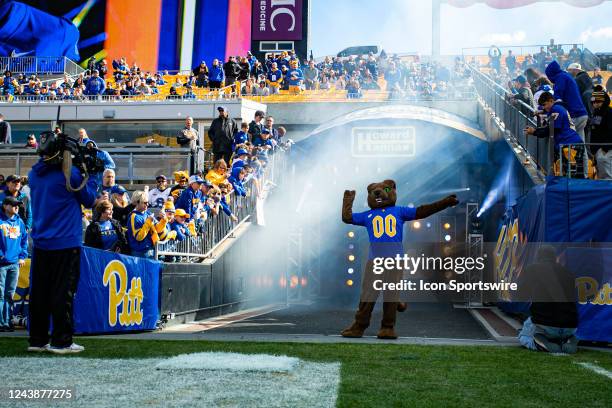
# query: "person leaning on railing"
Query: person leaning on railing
564,133
143,230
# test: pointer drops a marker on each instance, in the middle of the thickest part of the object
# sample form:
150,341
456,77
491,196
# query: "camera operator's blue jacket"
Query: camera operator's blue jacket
189,201
13,239
56,211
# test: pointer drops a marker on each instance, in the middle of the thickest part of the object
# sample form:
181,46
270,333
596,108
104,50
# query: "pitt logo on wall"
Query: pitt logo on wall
508,255
124,302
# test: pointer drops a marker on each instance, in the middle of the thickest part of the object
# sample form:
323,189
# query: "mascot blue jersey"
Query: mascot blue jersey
385,228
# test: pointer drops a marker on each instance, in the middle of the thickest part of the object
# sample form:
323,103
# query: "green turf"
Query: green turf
408,375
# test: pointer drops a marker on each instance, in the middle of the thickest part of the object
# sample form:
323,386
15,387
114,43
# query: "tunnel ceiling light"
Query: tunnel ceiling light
447,238
349,282
446,225
351,234
351,246
351,257
351,271
428,225
416,225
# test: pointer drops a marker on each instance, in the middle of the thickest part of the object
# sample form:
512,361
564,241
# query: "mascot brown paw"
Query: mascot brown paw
387,333
401,306
355,331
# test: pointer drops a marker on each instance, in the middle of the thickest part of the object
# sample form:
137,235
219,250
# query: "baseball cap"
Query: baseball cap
521,79
221,108
10,200
241,151
195,179
181,213
207,183
161,177
117,189
12,178
574,65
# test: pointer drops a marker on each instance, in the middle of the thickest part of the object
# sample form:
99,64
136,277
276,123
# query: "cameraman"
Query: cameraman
57,240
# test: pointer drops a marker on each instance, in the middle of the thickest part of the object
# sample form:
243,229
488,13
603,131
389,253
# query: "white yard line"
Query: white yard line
597,369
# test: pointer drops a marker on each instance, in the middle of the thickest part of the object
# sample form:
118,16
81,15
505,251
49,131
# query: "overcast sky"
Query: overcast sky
405,25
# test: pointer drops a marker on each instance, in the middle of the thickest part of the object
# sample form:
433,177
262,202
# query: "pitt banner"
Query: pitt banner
116,293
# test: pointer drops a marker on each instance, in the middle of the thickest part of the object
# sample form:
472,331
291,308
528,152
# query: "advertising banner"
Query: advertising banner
116,293
277,20
563,213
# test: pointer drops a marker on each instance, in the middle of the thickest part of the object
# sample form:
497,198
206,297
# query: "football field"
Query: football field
346,375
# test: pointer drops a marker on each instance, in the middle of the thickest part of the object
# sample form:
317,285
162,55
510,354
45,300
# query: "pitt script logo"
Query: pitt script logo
123,301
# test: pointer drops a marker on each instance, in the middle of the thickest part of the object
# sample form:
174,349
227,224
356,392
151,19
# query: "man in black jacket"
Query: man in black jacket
585,85
221,134
554,317
5,131
231,70
601,132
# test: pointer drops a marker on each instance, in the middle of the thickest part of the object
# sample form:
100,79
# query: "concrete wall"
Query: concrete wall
315,113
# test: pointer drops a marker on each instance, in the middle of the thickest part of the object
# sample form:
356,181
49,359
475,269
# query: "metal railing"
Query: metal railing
110,99
514,116
210,232
518,49
214,230
575,162
40,65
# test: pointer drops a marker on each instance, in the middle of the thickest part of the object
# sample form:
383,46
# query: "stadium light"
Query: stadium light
351,234
351,258
351,271
446,225
349,282
416,225
447,238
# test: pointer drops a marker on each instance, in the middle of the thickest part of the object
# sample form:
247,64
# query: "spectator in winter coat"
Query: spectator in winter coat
105,232
221,134
295,77
142,229
216,75
236,179
191,196
95,85
231,69
311,76
585,84
567,91
274,78
12,188
201,74
601,132
13,253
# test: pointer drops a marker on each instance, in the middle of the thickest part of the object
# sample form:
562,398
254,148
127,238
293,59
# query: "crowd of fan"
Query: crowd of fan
553,84
244,75
174,210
